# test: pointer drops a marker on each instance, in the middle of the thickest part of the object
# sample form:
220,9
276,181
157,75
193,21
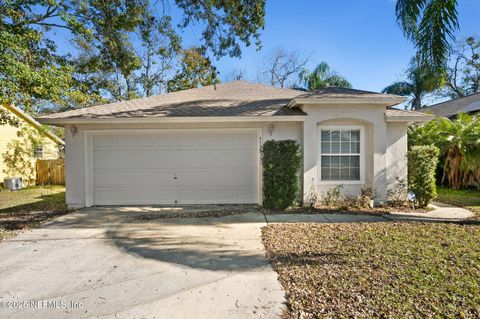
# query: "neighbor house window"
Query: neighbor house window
340,154
38,151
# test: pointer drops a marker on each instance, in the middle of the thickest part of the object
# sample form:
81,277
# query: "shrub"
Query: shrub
333,196
281,163
422,162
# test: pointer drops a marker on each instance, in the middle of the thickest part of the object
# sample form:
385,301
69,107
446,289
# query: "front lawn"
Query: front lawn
469,199
377,270
29,207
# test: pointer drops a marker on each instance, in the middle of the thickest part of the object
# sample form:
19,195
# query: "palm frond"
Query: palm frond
400,88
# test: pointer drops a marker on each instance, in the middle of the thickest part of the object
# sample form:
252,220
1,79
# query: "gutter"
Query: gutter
145,120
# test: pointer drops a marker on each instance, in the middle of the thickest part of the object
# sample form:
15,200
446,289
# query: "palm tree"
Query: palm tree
459,144
430,24
417,85
321,77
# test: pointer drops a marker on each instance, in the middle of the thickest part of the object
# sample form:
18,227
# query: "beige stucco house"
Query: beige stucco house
48,148
202,145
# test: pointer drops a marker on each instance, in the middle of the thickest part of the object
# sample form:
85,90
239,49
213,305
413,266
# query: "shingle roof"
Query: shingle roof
237,98
467,104
392,113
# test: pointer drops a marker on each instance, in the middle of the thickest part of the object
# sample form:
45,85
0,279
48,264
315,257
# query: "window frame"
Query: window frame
360,128
36,152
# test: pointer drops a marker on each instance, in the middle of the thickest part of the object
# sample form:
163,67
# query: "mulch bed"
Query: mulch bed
13,223
193,214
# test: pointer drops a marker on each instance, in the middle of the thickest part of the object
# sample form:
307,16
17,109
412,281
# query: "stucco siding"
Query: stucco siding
75,143
397,156
372,118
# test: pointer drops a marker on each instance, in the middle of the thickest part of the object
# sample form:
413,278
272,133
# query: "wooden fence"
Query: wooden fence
50,172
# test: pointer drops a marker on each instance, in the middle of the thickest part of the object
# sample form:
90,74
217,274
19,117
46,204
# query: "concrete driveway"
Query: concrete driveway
113,263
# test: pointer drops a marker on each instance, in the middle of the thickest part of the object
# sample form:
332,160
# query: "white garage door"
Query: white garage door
194,167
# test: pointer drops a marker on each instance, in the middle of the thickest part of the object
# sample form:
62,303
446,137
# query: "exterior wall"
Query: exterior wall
75,154
397,157
372,118
9,133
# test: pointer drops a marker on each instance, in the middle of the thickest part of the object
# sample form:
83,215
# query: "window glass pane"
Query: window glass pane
345,148
326,161
335,135
325,135
326,147
335,174
335,148
355,135
354,174
340,167
345,136
354,161
345,174
355,148
335,161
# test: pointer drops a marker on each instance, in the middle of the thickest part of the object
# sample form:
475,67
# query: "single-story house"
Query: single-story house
469,104
202,145
48,148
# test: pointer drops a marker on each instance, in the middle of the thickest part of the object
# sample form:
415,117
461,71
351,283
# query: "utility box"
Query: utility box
13,184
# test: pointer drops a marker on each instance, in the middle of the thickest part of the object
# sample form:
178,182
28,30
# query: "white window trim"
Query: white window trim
319,154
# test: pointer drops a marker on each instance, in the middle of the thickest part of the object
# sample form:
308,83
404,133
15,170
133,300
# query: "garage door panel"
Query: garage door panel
209,167
133,178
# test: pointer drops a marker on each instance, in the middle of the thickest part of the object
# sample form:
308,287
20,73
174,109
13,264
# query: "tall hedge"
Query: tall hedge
281,163
422,163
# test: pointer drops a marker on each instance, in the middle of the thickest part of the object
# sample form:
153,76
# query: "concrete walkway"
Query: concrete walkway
440,212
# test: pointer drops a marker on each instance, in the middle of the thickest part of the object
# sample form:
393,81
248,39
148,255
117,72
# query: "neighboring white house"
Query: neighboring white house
202,145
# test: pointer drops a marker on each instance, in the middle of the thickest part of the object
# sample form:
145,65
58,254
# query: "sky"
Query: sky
360,39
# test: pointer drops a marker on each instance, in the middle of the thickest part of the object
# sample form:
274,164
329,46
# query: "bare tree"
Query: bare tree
463,73
281,66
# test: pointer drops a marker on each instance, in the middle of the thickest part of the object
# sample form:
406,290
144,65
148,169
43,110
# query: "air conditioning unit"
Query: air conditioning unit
13,184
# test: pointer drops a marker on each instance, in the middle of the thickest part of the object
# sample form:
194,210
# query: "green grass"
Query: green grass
377,270
29,207
469,199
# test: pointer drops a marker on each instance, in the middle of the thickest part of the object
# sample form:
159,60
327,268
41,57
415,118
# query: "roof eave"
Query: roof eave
409,119
383,101
194,119
27,118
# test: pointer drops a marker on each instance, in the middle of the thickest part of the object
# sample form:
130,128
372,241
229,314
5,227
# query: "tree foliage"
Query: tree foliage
195,70
430,25
463,72
123,49
418,84
321,77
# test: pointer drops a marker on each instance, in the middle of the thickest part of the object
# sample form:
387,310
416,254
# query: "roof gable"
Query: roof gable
32,122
